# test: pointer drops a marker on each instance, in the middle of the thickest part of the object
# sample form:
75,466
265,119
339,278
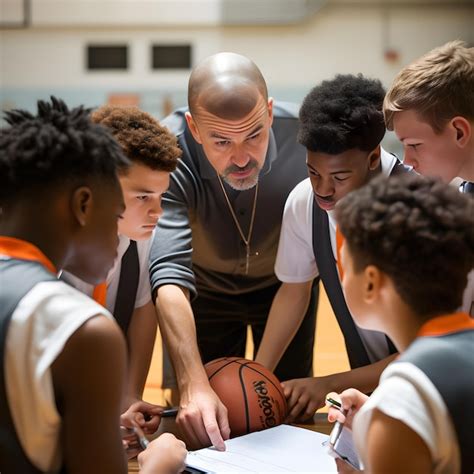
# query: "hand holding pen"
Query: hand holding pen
344,406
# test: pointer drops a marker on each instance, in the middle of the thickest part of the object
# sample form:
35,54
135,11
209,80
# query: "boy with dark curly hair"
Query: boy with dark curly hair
341,127
409,245
63,358
126,292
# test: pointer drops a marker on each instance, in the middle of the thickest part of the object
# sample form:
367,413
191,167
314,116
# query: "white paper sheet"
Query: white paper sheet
281,449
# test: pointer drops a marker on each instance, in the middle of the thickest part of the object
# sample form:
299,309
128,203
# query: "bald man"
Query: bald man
213,255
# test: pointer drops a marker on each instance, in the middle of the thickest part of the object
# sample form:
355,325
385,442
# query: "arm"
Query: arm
89,382
202,416
392,447
305,396
141,337
286,314
141,340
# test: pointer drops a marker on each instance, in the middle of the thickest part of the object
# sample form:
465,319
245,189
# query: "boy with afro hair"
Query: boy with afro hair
126,293
63,358
409,245
341,127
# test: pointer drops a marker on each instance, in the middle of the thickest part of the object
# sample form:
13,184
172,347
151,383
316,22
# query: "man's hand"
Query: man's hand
351,401
305,396
203,418
143,414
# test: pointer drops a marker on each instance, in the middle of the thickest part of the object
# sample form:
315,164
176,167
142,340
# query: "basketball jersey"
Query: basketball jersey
18,278
445,353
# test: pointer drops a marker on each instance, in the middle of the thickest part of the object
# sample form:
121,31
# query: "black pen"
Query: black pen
169,412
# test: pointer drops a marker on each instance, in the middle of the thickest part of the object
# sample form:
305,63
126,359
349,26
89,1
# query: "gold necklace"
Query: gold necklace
252,218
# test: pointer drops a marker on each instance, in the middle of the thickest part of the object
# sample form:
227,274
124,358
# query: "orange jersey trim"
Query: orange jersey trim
100,293
23,250
339,244
447,324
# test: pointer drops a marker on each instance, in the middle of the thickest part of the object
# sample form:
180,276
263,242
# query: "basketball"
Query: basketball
251,393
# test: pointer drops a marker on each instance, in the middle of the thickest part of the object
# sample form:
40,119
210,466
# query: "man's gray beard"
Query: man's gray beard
242,184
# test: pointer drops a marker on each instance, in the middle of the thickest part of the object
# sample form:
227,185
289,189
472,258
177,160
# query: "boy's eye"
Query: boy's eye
142,198
341,178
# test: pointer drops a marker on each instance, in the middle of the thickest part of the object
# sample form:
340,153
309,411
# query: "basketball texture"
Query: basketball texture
251,393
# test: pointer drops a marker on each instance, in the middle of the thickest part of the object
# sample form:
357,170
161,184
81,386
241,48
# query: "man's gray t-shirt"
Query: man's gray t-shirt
196,243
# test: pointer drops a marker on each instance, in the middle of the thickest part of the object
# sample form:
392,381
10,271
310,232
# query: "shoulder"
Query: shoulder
285,110
176,121
300,198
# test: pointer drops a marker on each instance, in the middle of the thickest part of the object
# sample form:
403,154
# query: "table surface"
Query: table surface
319,424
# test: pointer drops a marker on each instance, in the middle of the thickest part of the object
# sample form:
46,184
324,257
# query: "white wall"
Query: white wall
338,39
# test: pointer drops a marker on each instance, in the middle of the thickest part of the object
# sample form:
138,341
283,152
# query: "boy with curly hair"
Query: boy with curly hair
341,126
63,358
409,245
430,106
126,293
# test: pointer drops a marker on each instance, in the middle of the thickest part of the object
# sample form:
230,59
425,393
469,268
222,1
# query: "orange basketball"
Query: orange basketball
252,394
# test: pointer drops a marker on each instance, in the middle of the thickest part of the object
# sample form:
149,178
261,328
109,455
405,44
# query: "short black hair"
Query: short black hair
55,145
342,114
417,230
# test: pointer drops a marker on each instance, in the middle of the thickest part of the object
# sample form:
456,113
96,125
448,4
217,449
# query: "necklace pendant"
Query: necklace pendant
247,259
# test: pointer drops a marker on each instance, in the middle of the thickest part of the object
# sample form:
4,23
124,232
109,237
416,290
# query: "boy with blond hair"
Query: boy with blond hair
430,106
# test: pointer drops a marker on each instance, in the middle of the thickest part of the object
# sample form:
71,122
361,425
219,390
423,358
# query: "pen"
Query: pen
169,412
141,437
338,426
334,403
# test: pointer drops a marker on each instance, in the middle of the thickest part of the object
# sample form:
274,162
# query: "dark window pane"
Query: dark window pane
107,57
171,57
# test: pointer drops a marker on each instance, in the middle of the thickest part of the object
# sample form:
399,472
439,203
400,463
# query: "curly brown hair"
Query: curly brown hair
418,231
141,137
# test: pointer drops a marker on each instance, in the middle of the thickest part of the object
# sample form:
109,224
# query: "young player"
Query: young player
341,127
63,358
409,245
154,153
430,106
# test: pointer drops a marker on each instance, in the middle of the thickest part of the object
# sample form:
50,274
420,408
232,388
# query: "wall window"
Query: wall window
107,57
171,57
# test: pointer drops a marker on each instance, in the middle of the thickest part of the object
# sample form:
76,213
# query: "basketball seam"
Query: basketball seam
224,366
266,378
244,392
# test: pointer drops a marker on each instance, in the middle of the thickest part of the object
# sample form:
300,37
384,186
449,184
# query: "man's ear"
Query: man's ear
372,284
270,110
374,158
81,204
193,127
463,130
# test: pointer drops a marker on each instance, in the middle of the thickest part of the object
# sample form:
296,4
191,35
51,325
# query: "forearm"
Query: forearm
286,314
178,329
364,379
141,339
